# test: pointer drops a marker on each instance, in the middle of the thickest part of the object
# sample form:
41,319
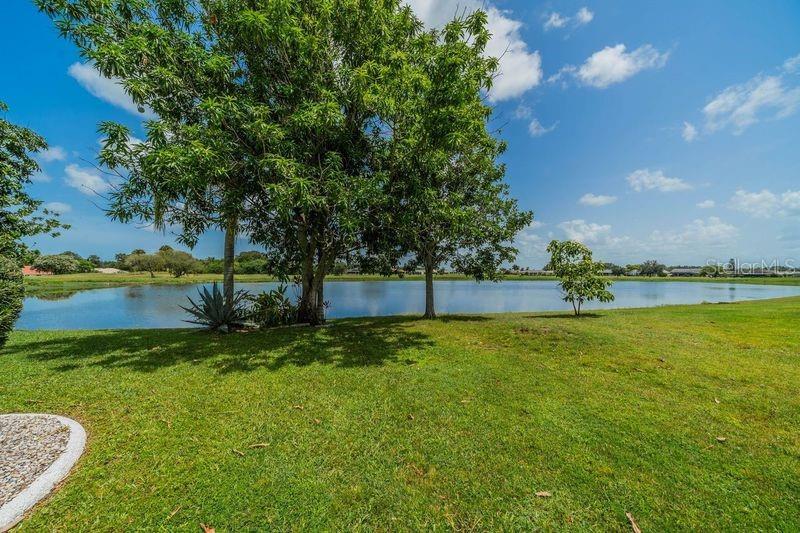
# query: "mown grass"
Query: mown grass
73,282
404,424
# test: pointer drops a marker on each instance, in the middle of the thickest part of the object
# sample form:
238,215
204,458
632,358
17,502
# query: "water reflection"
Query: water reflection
156,306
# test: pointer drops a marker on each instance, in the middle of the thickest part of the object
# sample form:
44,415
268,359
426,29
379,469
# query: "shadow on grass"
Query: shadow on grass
350,343
565,315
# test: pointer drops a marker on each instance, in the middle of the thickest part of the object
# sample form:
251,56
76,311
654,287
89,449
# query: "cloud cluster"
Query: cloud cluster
760,98
520,68
612,65
54,153
647,180
86,180
709,232
766,204
596,200
556,20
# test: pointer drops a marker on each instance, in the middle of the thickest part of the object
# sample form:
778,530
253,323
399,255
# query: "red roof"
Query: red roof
28,270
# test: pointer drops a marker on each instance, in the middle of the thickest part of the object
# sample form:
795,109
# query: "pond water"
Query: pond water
156,306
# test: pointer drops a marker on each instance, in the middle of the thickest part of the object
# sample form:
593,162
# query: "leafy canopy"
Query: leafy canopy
20,215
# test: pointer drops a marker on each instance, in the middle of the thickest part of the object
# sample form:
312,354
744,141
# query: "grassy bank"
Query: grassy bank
74,282
399,423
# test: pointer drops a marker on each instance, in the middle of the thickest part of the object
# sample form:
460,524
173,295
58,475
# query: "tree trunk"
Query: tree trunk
430,311
228,261
312,300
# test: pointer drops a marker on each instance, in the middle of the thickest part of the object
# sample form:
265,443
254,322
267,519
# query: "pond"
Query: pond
156,306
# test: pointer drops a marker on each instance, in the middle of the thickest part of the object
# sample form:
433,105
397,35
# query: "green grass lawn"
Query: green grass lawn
404,424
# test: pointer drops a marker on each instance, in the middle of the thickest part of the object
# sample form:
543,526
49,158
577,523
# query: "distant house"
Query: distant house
608,272
28,270
535,272
685,272
632,273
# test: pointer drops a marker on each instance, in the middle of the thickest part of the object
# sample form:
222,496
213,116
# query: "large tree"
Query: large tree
209,146
450,204
20,215
337,59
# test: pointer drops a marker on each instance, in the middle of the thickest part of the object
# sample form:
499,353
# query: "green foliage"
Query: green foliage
20,215
321,128
95,260
58,264
449,203
652,268
253,266
212,265
272,308
143,262
176,262
214,313
11,295
581,278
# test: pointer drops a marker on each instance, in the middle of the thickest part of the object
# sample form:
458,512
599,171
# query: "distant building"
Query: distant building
632,273
685,272
28,270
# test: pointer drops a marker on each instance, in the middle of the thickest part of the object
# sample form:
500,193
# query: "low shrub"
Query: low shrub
11,295
272,308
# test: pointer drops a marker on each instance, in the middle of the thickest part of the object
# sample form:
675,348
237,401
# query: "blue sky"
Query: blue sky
646,129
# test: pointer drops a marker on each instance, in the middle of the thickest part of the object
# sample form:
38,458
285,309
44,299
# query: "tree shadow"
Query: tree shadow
566,315
348,343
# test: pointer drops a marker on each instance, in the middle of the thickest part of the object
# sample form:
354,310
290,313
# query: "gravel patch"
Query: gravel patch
29,444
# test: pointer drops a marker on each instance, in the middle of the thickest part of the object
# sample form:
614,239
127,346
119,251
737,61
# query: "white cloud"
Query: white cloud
646,180
792,64
58,207
597,200
109,90
584,16
523,112
709,232
536,129
41,177
520,69
766,204
613,64
689,132
706,204
86,180
741,106
585,232
760,98
555,20
54,153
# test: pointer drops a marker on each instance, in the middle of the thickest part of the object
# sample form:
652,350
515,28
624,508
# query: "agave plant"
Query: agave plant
213,313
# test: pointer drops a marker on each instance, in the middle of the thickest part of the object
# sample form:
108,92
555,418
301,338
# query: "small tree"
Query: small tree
145,263
581,278
57,264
